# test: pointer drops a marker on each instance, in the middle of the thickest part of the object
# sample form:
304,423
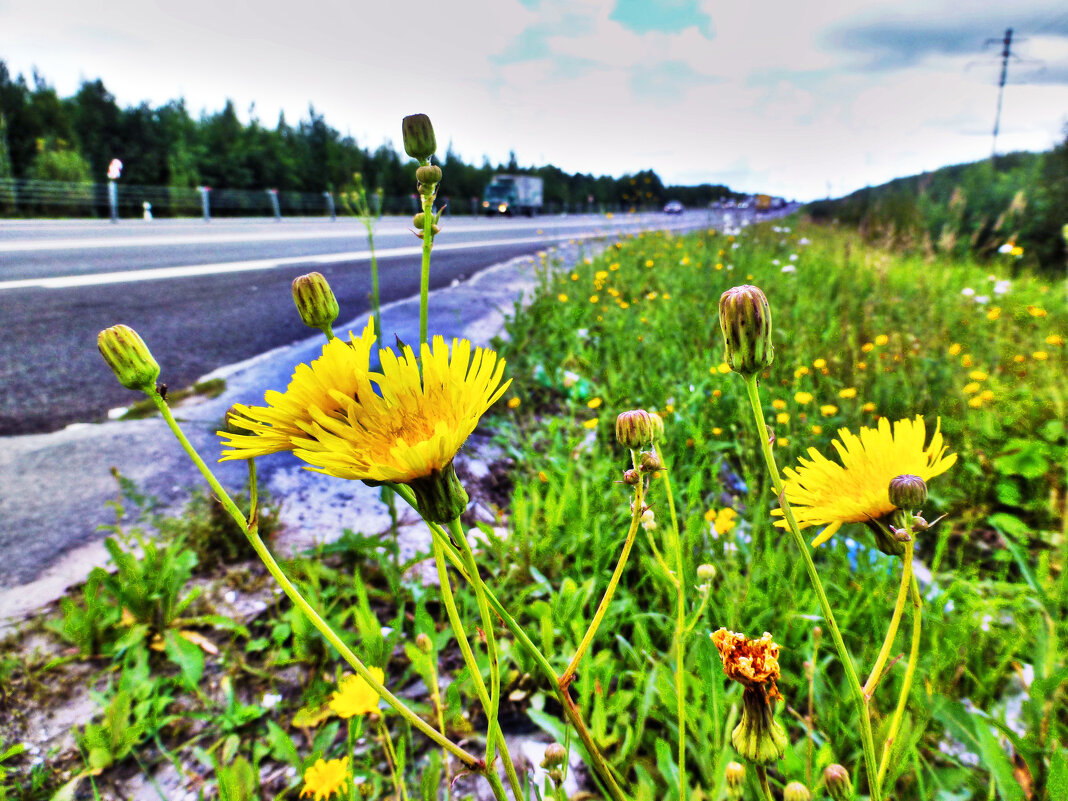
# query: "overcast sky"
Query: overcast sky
794,98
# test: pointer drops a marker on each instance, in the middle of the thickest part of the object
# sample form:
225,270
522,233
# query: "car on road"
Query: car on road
673,207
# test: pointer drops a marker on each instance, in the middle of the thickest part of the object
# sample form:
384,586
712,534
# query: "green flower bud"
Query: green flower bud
705,573
315,302
423,643
839,786
745,319
795,791
649,462
440,497
418,133
554,756
758,737
637,428
908,492
428,174
128,357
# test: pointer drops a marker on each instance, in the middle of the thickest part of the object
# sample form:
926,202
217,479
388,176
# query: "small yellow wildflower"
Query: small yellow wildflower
1040,355
803,397
1019,358
649,262
685,260
994,313
591,423
324,779
986,395
724,368
976,402
613,266
882,339
574,276
966,360
513,403
862,365
955,349
719,266
782,418
354,696
819,364
867,347
594,403
562,297
1036,311
868,407
594,298
817,429
800,371
782,442
848,392
828,410
717,431
717,393
977,375
723,520
1055,339
779,404
972,388
542,477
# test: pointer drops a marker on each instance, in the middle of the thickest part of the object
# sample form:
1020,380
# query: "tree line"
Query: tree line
46,137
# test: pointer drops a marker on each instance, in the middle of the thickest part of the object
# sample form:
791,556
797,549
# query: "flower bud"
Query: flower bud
636,428
735,774
315,302
795,791
428,174
705,573
423,643
908,492
439,497
631,477
128,357
649,462
418,134
554,756
839,786
745,319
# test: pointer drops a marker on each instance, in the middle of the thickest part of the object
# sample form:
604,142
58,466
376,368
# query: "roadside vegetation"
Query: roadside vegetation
192,661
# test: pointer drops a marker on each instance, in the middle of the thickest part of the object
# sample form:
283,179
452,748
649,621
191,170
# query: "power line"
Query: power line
1005,53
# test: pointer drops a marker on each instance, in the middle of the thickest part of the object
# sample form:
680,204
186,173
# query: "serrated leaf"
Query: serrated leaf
187,656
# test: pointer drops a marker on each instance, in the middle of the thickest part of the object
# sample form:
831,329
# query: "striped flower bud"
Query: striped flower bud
795,791
745,319
636,428
128,357
418,134
908,492
315,302
839,786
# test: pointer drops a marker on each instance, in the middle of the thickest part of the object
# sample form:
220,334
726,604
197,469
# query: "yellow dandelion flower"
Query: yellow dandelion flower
1019,358
868,407
594,298
685,261
593,403
848,392
782,442
819,364
803,397
800,371
867,347
976,402
650,296
574,276
717,431
649,262
1055,339
966,360
542,477
324,779
355,696
1040,355
825,493
986,395
955,349
403,424
994,313
977,375
817,429
828,410
972,388
724,368
562,297
778,403
717,393
1036,311
862,365
723,520
710,516
782,418
882,339
513,403
719,266
591,423
614,266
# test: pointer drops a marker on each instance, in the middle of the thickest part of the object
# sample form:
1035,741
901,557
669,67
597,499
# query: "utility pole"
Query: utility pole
1005,53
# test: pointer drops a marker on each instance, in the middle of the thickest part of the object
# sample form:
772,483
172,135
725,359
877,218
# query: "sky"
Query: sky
802,99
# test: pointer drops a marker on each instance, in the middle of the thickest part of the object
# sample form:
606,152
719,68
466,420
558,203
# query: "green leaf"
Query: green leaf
1023,457
974,731
1057,784
187,656
283,749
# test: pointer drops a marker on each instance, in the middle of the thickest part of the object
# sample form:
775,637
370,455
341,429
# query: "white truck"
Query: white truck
513,194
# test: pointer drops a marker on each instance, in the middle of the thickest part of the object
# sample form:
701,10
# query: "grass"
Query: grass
862,330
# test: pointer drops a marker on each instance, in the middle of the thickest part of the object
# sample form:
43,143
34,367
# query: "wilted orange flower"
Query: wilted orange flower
752,663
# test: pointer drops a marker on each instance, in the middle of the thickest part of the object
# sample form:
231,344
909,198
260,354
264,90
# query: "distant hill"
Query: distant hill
1020,198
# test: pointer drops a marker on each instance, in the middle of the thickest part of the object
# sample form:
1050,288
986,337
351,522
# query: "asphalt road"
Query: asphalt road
206,295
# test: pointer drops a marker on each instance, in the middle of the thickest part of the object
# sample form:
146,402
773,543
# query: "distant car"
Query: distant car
673,207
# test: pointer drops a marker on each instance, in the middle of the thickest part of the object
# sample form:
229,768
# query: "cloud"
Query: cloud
662,16
666,83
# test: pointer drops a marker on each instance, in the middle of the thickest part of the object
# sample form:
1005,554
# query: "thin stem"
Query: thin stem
762,778
891,633
635,517
910,672
811,705
424,276
472,762
391,759
494,732
435,699
680,629
867,741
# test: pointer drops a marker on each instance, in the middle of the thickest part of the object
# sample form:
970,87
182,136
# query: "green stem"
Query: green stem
895,620
471,761
910,672
762,778
574,715
680,628
635,518
435,698
494,732
391,759
424,276
867,741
